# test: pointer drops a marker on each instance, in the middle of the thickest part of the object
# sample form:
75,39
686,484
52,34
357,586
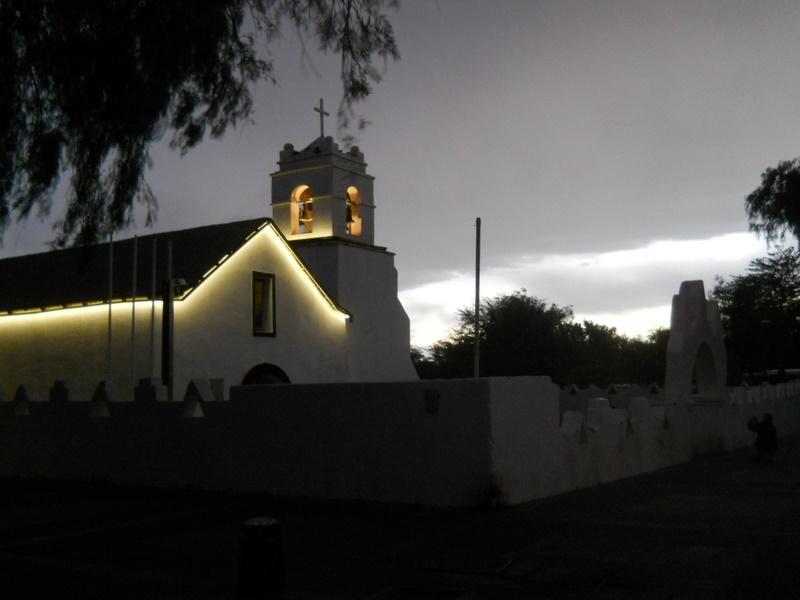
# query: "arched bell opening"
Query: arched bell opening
353,211
265,374
302,206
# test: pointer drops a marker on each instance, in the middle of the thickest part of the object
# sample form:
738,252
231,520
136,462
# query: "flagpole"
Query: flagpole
153,313
110,297
477,365
133,312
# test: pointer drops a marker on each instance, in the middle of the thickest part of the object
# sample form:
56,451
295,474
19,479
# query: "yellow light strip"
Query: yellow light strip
57,307
291,252
308,273
66,312
186,293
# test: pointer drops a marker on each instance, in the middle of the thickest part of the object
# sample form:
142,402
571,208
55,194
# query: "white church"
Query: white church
303,297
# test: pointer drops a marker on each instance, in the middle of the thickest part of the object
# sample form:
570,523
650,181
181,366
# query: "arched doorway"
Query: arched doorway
265,374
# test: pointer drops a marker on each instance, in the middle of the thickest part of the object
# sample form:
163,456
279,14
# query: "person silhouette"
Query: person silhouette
766,437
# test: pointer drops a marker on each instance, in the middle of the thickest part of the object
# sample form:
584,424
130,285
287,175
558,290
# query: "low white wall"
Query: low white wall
415,442
537,454
445,442
716,428
524,422
405,442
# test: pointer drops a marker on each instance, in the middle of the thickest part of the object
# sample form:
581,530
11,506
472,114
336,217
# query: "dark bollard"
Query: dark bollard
261,558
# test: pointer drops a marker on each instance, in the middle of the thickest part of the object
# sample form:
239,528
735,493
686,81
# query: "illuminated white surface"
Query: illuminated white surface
213,330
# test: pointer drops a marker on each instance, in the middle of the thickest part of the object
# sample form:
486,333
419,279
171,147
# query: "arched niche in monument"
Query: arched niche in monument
302,207
705,371
353,211
696,350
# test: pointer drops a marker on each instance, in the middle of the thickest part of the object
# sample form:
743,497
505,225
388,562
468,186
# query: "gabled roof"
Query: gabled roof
79,276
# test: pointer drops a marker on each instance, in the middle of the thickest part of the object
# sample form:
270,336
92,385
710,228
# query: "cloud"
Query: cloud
633,323
630,289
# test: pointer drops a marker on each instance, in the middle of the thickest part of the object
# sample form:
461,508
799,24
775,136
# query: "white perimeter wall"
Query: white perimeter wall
445,442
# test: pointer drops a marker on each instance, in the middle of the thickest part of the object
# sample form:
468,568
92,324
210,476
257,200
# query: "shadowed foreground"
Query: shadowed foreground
721,527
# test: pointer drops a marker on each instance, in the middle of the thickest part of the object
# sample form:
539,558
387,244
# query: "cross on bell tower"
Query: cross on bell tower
322,115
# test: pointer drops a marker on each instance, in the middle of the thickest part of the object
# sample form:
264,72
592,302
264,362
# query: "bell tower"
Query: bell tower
323,192
322,201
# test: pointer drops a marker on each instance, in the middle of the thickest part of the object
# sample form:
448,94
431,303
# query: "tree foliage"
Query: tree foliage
773,209
760,314
524,335
88,87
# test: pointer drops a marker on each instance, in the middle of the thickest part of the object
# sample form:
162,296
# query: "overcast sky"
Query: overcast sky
607,146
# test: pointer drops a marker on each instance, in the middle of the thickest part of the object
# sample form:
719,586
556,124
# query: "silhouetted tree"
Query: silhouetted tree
773,209
89,86
426,368
524,335
518,335
645,360
599,354
760,313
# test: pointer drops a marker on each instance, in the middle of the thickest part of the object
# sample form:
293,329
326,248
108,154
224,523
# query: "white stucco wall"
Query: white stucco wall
446,442
364,279
213,333
213,326
524,421
385,442
71,344
416,442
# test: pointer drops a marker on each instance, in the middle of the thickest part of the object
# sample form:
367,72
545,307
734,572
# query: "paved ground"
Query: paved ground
722,527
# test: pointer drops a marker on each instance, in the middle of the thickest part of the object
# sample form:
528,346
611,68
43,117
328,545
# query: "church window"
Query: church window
353,208
302,210
263,304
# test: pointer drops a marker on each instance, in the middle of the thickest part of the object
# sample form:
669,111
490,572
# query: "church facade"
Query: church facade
303,297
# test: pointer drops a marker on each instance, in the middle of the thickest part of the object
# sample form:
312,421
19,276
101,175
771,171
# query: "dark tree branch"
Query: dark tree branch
89,87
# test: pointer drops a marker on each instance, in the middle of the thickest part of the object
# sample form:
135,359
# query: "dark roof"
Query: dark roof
80,275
